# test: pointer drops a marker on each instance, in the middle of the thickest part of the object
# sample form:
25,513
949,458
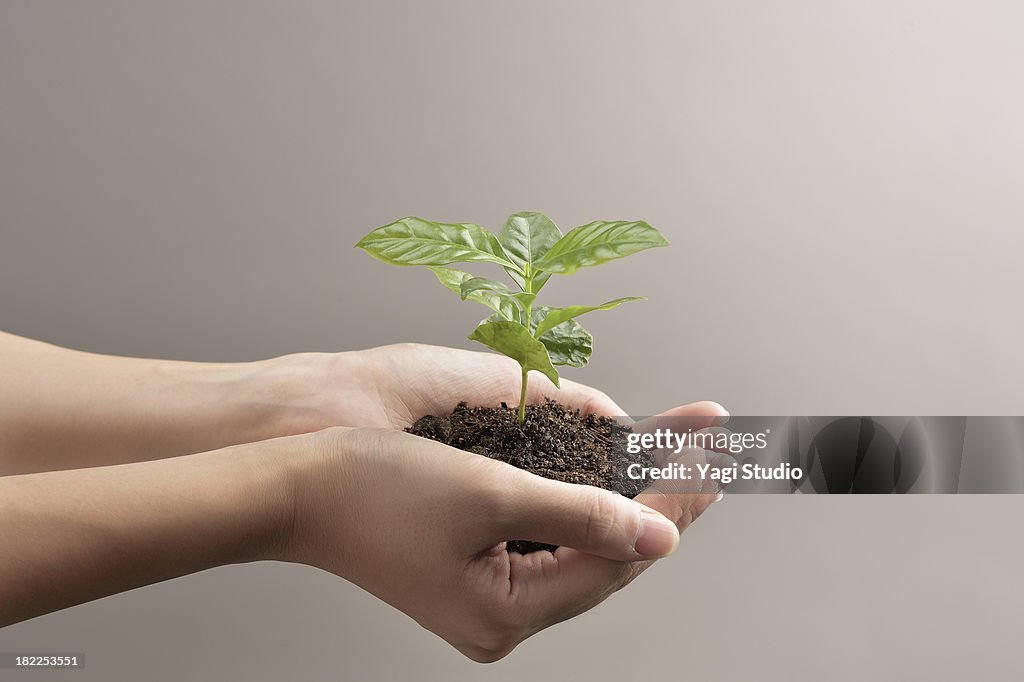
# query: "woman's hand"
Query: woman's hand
423,526
393,386
417,523
65,409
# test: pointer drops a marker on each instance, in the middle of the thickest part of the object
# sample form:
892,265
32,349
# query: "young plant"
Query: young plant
530,248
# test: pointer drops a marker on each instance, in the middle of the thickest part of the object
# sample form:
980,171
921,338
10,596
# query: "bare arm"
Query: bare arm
73,536
416,523
66,409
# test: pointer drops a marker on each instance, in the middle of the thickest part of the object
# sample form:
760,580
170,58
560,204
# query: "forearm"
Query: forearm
65,409
72,536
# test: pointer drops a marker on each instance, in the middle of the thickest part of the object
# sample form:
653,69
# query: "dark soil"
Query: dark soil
553,442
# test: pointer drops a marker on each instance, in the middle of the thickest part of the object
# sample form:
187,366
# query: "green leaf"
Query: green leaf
568,344
513,339
599,242
415,241
556,316
526,299
526,237
475,284
453,279
483,285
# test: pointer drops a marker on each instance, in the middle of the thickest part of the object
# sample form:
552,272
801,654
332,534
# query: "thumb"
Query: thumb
588,519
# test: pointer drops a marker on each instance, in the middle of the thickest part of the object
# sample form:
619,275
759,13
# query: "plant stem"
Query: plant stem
528,321
522,399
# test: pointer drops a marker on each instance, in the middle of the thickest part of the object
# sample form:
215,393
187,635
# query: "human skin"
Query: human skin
302,459
67,409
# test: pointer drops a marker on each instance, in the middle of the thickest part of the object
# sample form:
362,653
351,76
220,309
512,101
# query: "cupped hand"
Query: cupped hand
423,526
393,386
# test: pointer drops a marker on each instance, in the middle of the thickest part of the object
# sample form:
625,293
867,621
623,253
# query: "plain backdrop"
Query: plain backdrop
841,184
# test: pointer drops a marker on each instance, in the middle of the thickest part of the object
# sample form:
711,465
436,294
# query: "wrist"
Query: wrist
273,480
308,475
288,395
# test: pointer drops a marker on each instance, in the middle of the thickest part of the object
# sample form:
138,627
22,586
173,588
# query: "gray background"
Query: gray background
841,185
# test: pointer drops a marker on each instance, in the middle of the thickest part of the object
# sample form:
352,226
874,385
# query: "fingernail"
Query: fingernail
719,497
724,419
657,537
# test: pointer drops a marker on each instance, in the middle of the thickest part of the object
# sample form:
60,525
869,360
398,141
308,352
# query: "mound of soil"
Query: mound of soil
553,442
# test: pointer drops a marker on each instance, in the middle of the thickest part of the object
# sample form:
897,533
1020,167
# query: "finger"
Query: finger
600,522
570,583
586,518
683,501
712,439
694,416
698,485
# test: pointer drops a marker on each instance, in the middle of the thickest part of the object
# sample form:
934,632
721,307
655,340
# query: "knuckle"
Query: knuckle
600,514
598,402
688,515
701,503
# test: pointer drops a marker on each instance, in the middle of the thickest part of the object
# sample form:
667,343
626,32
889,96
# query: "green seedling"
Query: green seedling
530,248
